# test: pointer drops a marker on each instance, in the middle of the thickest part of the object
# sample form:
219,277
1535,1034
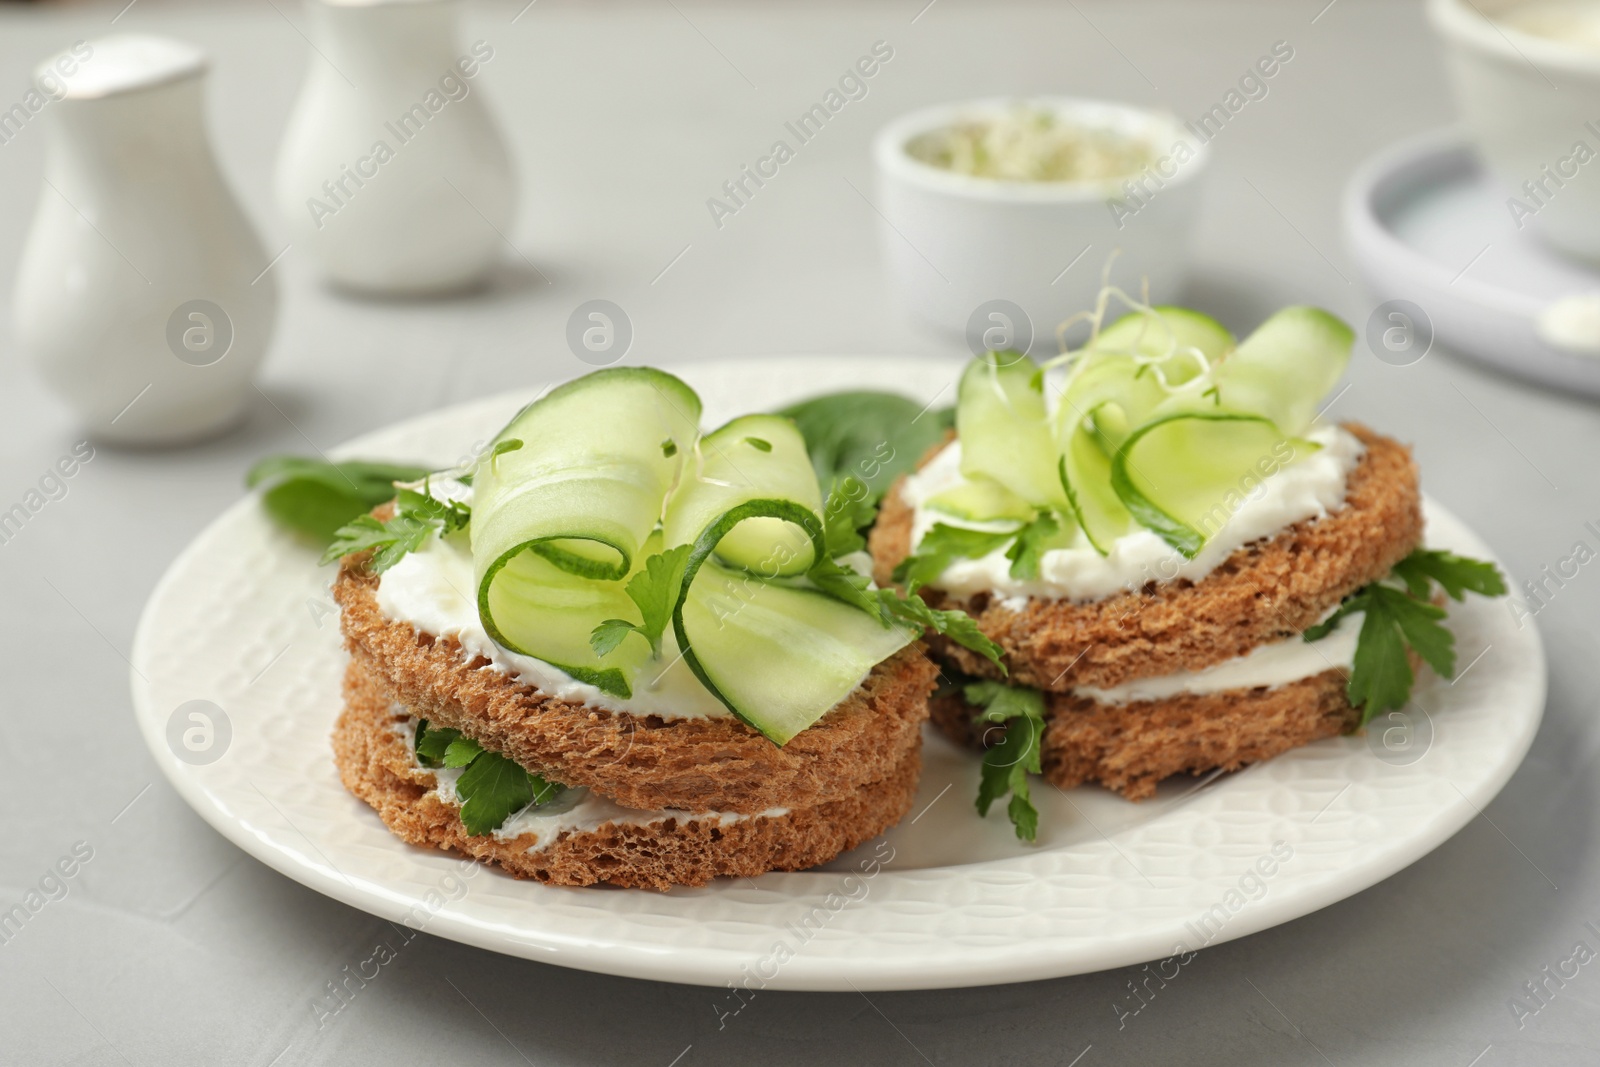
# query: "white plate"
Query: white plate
1427,225
243,620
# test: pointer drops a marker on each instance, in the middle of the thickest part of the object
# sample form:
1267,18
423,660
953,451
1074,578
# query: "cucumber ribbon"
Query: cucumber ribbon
612,472
1158,422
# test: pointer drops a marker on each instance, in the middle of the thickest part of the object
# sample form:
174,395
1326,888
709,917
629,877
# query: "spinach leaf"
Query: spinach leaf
873,436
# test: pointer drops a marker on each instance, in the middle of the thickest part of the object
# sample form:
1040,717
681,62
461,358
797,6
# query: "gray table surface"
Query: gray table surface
173,947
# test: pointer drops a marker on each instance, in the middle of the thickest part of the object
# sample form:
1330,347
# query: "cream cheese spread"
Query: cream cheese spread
1306,489
1265,667
432,588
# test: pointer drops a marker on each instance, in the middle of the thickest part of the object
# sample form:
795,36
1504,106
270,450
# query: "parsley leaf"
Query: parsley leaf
1418,622
417,516
942,546
432,743
1033,541
889,606
317,497
1380,673
366,532
849,510
461,752
1006,766
492,788
953,623
844,584
451,514
1395,620
1457,575
654,591
605,638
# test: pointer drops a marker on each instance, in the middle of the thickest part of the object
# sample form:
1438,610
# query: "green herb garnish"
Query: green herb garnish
848,511
461,752
317,497
417,517
1006,766
433,742
891,606
1394,620
942,546
654,590
492,788
1457,575
842,583
953,623
605,638
1033,541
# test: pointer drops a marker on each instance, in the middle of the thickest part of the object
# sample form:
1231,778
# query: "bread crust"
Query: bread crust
377,765
1265,591
645,762
1130,748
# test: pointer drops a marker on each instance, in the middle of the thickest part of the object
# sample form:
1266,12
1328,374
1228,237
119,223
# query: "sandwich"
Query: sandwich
1188,568
613,649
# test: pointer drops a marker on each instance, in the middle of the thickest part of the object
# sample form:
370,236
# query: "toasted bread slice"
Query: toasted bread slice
1266,591
1129,748
377,765
645,762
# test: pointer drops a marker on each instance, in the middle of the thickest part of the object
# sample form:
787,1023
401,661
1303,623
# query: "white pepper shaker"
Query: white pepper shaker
392,175
140,294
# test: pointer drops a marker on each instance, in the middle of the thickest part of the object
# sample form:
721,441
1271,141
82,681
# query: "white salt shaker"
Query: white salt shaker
392,174
140,294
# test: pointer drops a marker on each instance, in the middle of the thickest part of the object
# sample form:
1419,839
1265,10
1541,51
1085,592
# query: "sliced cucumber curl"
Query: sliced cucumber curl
1155,420
613,497
778,655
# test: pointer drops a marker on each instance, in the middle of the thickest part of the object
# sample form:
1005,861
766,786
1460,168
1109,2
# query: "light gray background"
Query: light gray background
174,948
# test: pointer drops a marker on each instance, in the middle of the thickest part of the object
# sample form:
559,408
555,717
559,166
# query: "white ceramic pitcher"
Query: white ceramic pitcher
140,294
392,174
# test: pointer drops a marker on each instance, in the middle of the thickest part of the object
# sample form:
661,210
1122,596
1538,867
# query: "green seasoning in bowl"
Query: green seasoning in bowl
1032,144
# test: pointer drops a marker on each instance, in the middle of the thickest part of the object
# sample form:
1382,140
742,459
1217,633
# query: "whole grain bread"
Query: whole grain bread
1129,748
378,766
1267,590
645,762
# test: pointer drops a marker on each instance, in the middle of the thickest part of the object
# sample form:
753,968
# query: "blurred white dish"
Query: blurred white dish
1530,98
1428,226
955,241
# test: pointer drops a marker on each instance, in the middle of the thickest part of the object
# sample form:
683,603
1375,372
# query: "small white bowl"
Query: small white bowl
959,246
1529,100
